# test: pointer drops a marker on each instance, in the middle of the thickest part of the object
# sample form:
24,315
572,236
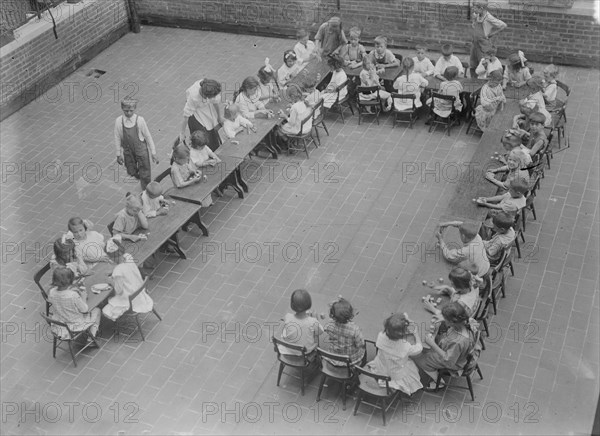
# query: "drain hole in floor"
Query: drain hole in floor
95,73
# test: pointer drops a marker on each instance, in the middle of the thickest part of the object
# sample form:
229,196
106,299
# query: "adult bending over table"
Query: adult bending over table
485,26
330,37
202,111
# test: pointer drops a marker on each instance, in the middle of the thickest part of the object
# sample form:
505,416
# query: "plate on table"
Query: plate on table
97,288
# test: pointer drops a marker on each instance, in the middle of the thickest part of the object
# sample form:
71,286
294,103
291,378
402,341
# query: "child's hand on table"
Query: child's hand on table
162,211
430,307
234,142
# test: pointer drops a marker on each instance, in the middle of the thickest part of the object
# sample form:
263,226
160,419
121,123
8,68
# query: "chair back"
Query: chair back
339,89
376,378
473,355
475,99
162,175
136,293
308,118
566,89
281,342
318,113
340,360
110,227
412,97
445,97
367,90
37,278
61,324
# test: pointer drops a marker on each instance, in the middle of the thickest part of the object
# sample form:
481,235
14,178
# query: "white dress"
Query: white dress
91,248
127,279
410,85
337,78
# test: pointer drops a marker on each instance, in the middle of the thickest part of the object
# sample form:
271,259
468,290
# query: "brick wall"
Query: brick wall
35,61
561,36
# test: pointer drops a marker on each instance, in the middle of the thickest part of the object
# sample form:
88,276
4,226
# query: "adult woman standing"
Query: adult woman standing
485,25
203,111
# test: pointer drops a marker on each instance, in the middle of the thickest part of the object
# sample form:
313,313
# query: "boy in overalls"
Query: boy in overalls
485,25
134,144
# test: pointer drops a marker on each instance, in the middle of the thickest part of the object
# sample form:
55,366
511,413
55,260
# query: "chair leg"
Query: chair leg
137,320
481,342
342,113
323,378
512,268
383,410
479,371
518,246
351,108
343,395
438,381
494,302
468,377
281,366
305,147
156,313
486,327
54,347
503,286
72,353
358,400
325,127
524,219
302,381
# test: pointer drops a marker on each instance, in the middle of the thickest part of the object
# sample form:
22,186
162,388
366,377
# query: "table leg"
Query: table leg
240,180
174,242
231,180
196,220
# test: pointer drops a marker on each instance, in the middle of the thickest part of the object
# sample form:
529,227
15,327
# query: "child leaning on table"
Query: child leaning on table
131,218
516,72
446,60
66,256
126,280
472,249
301,328
461,291
514,168
338,77
423,64
289,69
234,122
354,52
503,237
153,202
510,202
489,63
344,336
381,56
369,77
451,87
183,171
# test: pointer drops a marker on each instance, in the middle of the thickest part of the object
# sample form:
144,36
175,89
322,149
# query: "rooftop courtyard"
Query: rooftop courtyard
337,223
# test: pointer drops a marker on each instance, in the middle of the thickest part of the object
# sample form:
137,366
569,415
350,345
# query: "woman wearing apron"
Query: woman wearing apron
485,25
202,111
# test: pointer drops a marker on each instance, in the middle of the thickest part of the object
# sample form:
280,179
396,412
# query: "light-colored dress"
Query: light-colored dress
91,247
393,360
490,99
443,108
298,113
127,279
410,85
70,307
303,332
249,104
337,78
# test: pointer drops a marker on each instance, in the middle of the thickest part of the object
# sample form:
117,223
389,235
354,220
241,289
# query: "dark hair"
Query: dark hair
407,65
503,221
335,61
341,311
447,49
537,117
293,93
455,313
451,72
248,83
265,76
300,300
116,255
309,83
76,221
396,326
468,230
289,54
519,185
301,33
62,277
460,278
64,253
181,151
209,88
199,139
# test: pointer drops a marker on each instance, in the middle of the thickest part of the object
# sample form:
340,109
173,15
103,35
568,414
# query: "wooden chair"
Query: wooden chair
369,387
343,103
518,227
481,313
131,313
294,139
498,276
319,120
301,362
37,278
472,121
368,107
466,372
436,119
559,113
70,338
342,372
400,113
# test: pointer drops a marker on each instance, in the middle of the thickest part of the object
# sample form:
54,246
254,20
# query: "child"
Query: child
516,73
448,60
298,113
289,69
450,86
369,77
269,89
126,279
153,202
472,249
311,93
130,219
134,144
510,202
233,124
249,100
353,52
504,235
462,291
89,244
409,82
338,77
300,327
521,121
514,167
535,138
550,91
304,48
394,352
183,171
423,64
488,63
66,256
536,85
345,337
491,98
381,56
510,142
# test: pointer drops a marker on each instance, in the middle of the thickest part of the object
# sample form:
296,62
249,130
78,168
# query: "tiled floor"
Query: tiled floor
334,224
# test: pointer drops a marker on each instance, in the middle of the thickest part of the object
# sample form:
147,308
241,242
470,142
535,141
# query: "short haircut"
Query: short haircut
199,138
209,88
537,117
300,300
381,40
460,278
301,33
335,61
354,32
420,47
455,313
62,277
495,75
490,51
518,154
396,326
469,230
116,255
133,201
552,70
447,49
154,189
341,311
293,93
536,82
181,152
511,140
503,220
128,102
75,221
451,72
265,76
309,83
64,251
519,185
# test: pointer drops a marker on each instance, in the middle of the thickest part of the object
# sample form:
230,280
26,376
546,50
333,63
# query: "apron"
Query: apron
135,154
214,140
480,43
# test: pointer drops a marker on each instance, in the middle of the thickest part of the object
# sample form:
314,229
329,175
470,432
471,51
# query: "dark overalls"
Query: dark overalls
480,44
135,154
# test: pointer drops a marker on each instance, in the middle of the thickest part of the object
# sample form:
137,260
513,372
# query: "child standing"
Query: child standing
338,77
130,219
488,63
448,60
369,77
491,98
381,56
510,202
450,86
289,69
300,328
233,123
353,52
153,202
394,352
516,73
550,91
304,48
472,249
409,82
134,144
345,337
126,279
423,64
504,236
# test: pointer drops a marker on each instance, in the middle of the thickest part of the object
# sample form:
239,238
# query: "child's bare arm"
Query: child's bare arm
143,221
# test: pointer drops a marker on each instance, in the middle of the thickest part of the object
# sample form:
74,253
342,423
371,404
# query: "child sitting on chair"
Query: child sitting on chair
269,89
537,85
409,82
131,218
183,171
368,78
66,256
462,291
381,56
234,122
423,64
289,69
353,53
514,168
472,248
301,328
89,244
451,87
551,88
304,48
446,61
491,99
153,202
345,337
503,237
488,64
338,77
510,202
516,73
